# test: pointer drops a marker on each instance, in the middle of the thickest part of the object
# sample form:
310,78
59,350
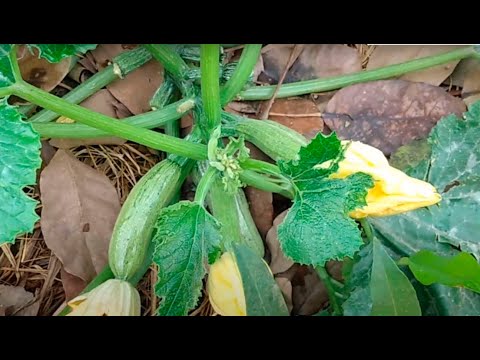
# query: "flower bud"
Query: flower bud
112,298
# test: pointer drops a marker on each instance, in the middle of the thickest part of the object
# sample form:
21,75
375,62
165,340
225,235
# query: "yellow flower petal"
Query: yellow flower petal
112,298
225,287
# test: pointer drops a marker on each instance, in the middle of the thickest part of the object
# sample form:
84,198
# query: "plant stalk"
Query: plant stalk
244,69
171,61
210,68
149,120
112,126
204,184
337,82
367,229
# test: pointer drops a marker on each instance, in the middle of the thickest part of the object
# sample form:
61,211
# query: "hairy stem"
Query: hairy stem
322,272
337,82
244,69
210,68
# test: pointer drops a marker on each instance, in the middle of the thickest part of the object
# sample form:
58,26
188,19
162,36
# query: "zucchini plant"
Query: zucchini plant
406,234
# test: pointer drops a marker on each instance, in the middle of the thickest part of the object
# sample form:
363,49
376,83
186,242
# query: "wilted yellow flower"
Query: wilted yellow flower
394,191
225,287
112,298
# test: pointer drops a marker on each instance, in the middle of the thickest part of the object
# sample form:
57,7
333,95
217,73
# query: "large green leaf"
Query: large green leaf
19,161
460,270
454,169
262,294
6,72
186,237
317,228
58,52
391,291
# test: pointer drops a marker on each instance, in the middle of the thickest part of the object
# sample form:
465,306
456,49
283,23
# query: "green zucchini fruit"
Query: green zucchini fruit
277,141
133,229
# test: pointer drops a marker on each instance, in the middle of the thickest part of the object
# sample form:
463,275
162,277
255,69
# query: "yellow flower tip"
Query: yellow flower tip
225,287
394,192
112,298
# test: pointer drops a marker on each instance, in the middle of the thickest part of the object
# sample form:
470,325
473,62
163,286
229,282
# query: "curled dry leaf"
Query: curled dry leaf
72,285
137,88
40,72
15,300
389,113
301,115
467,75
260,202
104,103
315,61
279,263
385,55
80,207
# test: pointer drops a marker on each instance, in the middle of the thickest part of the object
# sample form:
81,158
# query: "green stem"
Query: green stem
210,68
366,228
204,184
122,65
333,83
171,61
149,120
6,91
17,75
322,272
262,182
112,126
244,69
261,166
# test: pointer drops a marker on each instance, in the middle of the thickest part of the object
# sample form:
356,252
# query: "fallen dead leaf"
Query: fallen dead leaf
315,61
72,284
300,114
260,202
137,88
104,103
389,113
385,55
286,287
40,72
80,207
467,75
309,293
15,300
279,263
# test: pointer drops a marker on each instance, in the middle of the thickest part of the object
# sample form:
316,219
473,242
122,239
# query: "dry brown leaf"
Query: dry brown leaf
72,285
315,61
15,300
40,72
260,202
137,88
104,103
305,117
309,293
389,113
467,75
80,207
385,55
279,263
286,287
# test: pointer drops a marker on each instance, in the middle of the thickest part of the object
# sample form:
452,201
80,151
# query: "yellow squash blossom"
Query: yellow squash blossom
394,191
112,298
225,287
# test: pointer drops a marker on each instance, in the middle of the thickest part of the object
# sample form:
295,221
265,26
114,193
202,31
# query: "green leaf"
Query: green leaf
57,52
359,302
454,169
391,291
413,158
461,270
6,71
186,238
19,161
317,228
262,294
